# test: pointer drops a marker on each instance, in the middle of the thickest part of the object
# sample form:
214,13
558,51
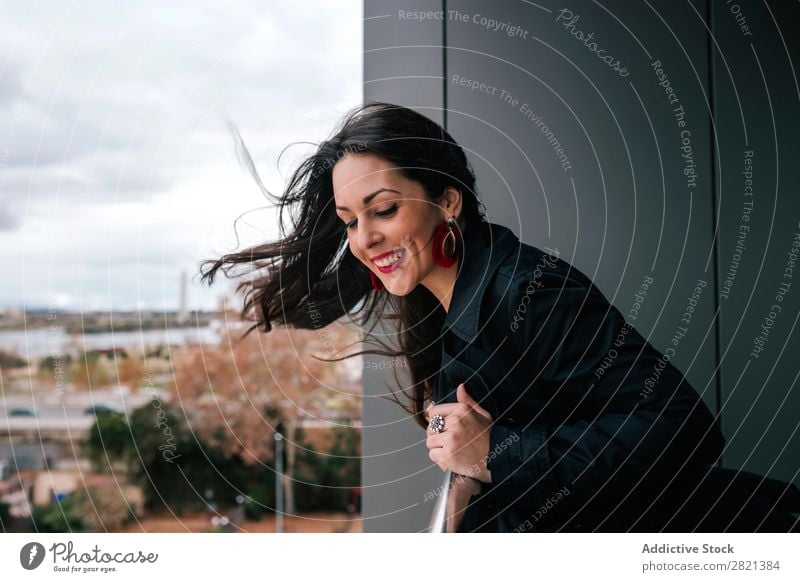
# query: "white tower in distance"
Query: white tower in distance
183,312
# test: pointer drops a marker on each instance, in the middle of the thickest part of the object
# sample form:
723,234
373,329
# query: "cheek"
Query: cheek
356,253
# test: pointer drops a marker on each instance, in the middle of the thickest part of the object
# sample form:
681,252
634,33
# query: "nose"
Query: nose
366,236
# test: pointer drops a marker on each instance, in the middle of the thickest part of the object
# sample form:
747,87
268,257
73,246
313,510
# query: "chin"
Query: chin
399,289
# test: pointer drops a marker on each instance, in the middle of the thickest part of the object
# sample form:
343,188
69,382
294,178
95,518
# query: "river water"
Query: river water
38,343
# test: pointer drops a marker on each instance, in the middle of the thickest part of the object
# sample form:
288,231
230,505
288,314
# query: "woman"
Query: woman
523,375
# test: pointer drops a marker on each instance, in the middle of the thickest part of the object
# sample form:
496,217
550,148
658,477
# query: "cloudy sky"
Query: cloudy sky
117,169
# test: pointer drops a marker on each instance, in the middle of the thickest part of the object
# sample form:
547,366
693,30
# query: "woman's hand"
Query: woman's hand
463,445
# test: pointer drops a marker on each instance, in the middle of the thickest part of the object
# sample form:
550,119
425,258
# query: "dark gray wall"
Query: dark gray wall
756,99
402,64
597,163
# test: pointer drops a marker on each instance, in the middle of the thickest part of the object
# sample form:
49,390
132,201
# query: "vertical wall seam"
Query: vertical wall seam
712,96
444,64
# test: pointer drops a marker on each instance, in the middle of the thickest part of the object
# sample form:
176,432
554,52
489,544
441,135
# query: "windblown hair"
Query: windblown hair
309,278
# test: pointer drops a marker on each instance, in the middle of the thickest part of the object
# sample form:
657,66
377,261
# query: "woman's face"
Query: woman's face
390,221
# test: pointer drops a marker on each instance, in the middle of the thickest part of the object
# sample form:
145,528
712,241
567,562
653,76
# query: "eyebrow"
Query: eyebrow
369,197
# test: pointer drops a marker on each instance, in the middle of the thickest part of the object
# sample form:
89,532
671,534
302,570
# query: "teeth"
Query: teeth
390,260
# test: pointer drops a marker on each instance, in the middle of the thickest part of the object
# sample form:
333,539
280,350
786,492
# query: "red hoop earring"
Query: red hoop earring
376,283
446,243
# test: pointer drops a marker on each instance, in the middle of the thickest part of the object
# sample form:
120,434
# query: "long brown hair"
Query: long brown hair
309,278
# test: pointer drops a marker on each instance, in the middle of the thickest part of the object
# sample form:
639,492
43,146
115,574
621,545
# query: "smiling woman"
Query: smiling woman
371,224
502,340
390,229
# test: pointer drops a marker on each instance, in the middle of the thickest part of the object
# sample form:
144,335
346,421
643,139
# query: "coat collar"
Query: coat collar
486,246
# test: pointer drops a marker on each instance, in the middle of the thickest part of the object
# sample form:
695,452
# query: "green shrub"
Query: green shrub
261,498
58,517
5,516
324,481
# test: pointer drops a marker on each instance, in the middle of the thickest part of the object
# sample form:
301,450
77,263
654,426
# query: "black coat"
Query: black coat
594,429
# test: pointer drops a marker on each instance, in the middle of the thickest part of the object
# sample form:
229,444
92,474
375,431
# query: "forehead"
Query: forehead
356,175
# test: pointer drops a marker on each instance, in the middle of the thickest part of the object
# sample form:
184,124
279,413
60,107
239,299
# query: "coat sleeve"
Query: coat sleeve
620,422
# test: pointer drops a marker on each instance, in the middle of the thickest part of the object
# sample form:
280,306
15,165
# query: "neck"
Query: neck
441,283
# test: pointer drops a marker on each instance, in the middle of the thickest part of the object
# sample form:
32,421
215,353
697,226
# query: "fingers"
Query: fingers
438,456
446,410
435,443
427,411
435,440
463,396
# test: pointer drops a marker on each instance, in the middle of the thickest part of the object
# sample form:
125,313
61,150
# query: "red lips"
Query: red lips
379,257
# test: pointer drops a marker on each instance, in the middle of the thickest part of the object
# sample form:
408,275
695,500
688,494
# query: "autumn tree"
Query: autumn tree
235,393
89,371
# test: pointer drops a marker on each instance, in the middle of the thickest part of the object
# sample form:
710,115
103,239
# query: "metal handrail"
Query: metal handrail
452,502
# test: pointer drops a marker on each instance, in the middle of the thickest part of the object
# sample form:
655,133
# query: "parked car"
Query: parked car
100,409
24,411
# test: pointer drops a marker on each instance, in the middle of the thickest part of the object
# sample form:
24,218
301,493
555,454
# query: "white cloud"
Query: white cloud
120,170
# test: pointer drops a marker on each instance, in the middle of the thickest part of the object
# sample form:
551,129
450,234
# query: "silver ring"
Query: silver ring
436,425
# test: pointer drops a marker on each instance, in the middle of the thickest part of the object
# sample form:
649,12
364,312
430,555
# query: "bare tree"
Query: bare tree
236,392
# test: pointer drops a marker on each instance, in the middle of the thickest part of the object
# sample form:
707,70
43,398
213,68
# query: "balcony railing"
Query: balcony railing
452,502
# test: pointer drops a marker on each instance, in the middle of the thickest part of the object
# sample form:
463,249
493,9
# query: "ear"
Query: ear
452,202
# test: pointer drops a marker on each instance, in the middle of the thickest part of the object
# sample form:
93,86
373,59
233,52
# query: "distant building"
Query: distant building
183,310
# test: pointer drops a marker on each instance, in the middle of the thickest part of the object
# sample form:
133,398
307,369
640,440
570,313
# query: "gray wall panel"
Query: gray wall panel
402,64
615,200
621,209
758,111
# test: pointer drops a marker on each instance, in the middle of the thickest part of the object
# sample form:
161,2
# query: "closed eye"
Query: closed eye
381,214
